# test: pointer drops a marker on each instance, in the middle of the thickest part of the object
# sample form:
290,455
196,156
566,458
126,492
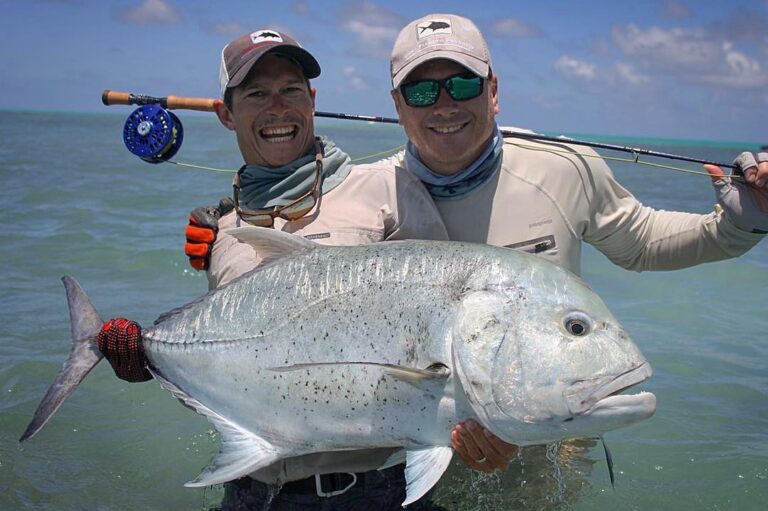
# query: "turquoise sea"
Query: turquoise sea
75,202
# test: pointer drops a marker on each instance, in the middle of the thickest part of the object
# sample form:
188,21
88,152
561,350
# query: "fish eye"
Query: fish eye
578,324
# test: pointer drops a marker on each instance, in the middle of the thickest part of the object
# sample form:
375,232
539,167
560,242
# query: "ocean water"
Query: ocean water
75,202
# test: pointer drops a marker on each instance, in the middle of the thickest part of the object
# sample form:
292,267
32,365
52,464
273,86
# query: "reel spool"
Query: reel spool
153,133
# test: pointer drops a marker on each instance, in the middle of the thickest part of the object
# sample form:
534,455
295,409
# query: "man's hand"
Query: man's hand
746,204
201,232
120,341
480,449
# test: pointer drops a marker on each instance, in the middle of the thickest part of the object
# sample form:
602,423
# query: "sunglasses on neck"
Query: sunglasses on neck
290,212
461,87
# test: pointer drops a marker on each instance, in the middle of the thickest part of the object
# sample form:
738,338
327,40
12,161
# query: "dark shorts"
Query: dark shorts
377,490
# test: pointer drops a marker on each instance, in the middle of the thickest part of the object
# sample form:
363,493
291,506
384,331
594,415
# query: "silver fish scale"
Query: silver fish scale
334,306
269,297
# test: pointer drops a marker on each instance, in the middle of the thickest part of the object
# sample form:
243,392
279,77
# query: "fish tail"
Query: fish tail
85,323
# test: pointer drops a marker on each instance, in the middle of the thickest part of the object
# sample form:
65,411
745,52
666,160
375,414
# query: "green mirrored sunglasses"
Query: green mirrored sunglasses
460,87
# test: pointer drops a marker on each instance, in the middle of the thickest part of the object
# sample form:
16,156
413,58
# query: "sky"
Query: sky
657,68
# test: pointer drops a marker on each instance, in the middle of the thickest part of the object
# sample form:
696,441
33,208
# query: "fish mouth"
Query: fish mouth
605,398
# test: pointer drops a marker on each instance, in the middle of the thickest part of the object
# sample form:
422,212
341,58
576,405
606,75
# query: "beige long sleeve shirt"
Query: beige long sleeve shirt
547,198
374,203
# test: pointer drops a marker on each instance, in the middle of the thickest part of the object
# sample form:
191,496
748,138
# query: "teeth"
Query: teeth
448,129
278,134
277,140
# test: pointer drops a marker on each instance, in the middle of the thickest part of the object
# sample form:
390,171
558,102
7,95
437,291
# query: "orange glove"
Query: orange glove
201,232
120,341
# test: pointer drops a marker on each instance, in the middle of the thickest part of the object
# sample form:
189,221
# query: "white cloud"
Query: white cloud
674,48
354,78
374,27
152,12
691,54
513,28
575,69
742,71
628,74
616,77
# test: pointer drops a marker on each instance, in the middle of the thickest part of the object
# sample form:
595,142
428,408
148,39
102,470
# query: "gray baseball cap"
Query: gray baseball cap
239,56
439,36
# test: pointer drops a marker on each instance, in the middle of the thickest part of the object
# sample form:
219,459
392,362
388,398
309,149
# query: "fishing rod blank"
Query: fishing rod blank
110,97
636,151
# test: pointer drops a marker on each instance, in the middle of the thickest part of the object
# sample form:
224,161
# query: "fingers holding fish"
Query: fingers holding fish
479,449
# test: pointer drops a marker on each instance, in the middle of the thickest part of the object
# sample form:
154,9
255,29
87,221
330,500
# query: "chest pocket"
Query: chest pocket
346,237
536,245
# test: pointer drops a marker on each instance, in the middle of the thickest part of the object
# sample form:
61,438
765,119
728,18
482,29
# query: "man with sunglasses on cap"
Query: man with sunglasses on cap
540,197
298,183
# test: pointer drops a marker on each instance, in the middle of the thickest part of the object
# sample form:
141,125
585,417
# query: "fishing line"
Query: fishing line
388,152
199,167
615,158
394,150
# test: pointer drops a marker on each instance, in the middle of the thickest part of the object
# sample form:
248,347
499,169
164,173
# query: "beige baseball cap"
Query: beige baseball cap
239,56
439,36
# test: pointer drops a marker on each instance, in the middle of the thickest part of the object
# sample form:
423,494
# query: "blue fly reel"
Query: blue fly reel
153,133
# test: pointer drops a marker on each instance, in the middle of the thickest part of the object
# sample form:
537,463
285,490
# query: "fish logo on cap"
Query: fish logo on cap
266,35
432,27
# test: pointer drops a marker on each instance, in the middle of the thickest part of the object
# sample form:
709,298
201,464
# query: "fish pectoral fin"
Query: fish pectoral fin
241,451
423,469
433,372
271,244
417,377
411,375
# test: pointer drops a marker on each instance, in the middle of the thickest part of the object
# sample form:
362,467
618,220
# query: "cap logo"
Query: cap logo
432,27
263,36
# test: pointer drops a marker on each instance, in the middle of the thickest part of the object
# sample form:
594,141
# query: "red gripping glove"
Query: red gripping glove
120,342
201,232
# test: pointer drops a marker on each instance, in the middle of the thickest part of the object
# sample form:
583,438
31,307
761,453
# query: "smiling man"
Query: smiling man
271,133
544,198
269,104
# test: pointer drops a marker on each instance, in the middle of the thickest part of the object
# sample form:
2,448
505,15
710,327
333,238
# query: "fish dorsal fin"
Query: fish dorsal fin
271,244
423,469
241,451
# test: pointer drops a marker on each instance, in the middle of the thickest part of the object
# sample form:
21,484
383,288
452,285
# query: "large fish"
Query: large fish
384,345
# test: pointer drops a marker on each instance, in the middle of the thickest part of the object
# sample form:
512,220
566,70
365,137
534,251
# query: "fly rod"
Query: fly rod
636,151
110,97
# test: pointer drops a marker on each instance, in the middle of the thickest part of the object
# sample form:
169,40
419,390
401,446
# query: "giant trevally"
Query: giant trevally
383,345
